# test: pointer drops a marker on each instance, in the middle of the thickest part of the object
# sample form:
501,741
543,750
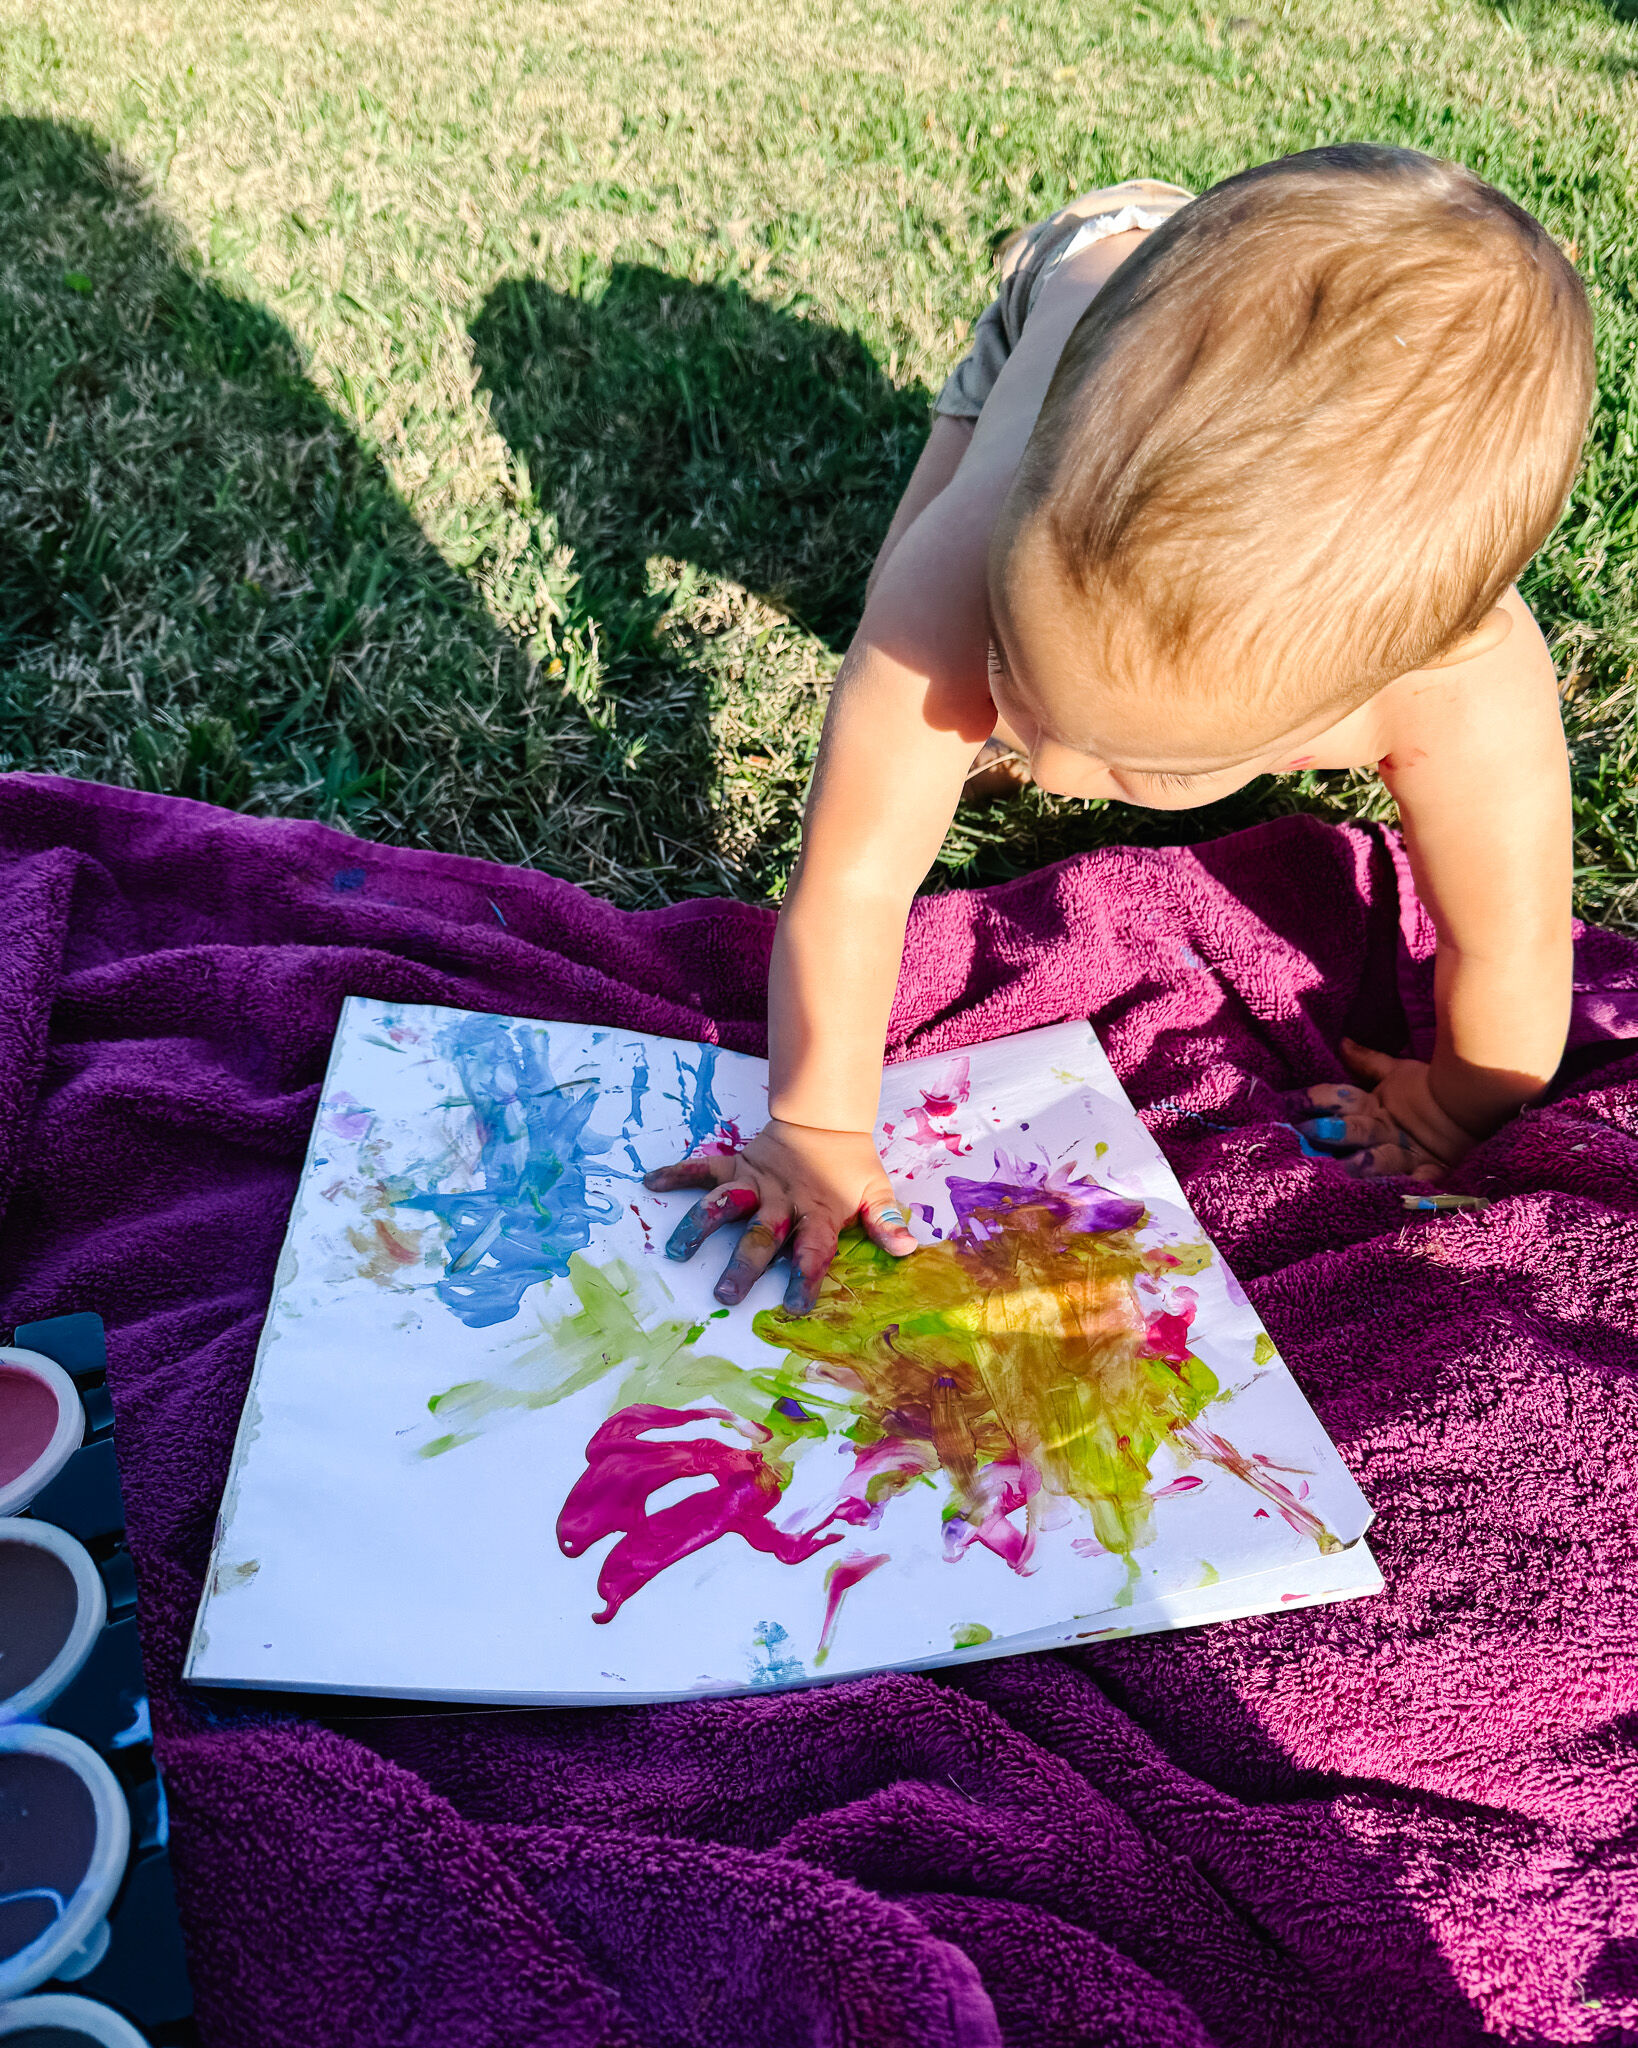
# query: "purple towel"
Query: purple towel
1401,1821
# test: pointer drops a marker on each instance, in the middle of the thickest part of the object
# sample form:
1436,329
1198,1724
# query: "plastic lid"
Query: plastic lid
77,1939
81,2016
65,1439
33,1699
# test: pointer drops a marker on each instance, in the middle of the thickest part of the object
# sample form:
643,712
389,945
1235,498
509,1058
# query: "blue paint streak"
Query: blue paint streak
701,1111
775,1665
639,1088
532,1206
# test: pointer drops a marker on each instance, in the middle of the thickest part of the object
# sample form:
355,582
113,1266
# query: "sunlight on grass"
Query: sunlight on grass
473,422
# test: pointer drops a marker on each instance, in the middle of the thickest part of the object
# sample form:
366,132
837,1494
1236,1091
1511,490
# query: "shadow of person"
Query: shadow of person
207,586
691,421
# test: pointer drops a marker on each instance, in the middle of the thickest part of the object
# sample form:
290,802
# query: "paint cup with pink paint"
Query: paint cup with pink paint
52,1609
65,1836
59,2020
41,1424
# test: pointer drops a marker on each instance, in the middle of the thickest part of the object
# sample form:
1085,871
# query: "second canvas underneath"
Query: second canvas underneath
498,1447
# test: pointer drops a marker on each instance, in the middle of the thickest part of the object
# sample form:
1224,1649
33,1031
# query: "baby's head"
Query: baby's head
1300,444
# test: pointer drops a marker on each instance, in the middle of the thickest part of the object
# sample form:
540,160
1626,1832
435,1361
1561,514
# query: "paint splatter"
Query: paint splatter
387,1251
1263,1352
840,1579
344,1116
968,1635
917,1125
771,1662
1016,1359
984,1207
708,1129
1015,1365
532,1206
639,1088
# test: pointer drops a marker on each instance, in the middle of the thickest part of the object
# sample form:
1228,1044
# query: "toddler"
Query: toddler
1226,486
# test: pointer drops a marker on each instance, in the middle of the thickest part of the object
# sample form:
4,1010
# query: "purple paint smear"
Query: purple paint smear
1081,1204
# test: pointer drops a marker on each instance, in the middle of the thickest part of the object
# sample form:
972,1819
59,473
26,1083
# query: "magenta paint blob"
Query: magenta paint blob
48,1832
623,1468
29,1411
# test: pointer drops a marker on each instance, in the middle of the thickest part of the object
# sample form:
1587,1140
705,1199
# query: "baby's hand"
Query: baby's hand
1396,1126
788,1179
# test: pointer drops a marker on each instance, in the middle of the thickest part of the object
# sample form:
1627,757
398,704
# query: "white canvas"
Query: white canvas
498,1447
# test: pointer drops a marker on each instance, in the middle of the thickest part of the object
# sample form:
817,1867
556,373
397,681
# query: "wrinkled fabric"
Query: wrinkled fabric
1402,1820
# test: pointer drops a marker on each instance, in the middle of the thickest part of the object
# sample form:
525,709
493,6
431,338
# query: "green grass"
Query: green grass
473,421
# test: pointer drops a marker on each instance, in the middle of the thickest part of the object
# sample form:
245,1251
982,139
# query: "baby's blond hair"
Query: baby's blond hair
1312,428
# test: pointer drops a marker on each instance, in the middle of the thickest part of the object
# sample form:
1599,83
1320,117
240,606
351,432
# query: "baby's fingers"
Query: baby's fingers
727,1205
759,1245
698,1170
812,1249
885,1224
1338,1097
1348,1133
1400,1156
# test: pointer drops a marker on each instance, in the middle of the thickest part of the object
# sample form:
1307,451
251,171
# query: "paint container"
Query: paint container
65,1833
57,2020
52,1608
41,1423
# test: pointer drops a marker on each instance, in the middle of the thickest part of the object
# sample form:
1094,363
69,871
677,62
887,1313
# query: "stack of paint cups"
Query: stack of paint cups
90,1946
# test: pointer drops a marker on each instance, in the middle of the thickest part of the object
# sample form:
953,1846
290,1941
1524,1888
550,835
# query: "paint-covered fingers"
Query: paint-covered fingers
698,1170
1348,1133
761,1242
1399,1154
812,1249
886,1224
1370,1142
1338,1098
728,1205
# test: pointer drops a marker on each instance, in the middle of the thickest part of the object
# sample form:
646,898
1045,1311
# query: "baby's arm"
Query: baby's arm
1477,763
909,708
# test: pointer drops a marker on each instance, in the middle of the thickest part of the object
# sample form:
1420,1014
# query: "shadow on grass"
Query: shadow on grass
663,420
692,421
195,554
209,586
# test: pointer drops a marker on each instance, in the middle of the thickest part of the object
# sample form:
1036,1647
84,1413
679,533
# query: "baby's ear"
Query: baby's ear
1490,632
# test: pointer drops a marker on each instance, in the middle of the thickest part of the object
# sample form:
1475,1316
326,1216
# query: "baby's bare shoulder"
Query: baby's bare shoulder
1482,730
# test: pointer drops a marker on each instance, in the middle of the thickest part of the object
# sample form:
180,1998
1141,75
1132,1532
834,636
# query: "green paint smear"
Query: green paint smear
967,1635
1263,1350
1208,1575
1029,1345
604,1335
